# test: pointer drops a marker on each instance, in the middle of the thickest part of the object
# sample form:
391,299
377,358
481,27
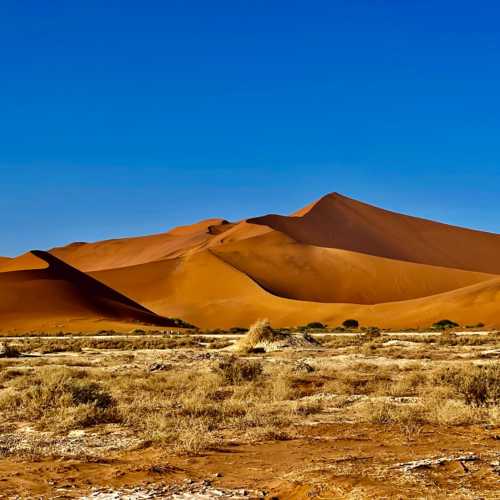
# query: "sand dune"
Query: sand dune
305,272
56,293
336,221
24,262
130,251
333,259
4,261
204,289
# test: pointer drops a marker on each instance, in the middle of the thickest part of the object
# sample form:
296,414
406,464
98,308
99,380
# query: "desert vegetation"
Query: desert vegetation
189,397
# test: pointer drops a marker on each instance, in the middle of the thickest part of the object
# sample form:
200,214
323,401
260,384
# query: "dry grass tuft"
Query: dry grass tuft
59,397
476,385
236,371
259,333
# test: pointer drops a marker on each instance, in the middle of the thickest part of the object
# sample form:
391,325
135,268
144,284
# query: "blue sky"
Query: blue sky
123,118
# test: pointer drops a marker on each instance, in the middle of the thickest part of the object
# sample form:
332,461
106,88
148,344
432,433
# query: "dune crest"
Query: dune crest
23,262
321,274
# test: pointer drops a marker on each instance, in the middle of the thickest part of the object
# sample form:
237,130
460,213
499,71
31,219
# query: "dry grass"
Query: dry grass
460,395
259,333
189,411
59,397
236,371
47,346
206,400
476,385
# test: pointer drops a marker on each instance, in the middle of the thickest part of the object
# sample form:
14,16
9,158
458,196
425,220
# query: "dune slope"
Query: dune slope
131,251
60,293
295,270
4,261
204,289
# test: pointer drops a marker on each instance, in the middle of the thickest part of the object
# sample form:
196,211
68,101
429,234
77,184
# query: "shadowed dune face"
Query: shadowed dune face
333,259
56,292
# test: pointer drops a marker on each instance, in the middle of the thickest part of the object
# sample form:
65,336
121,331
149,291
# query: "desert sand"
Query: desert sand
335,258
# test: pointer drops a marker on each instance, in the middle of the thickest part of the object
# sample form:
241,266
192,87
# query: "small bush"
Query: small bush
236,371
8,351
180,323
314,325
444,324
61,397
193,436
477,385
350,323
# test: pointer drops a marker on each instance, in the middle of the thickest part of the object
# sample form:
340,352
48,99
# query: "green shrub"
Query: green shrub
444,324
477,325
350,323
316,324
238,329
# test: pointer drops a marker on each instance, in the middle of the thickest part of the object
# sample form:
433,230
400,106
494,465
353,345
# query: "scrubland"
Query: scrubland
336,419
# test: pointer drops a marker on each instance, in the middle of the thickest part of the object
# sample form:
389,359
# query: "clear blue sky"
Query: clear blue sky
130,117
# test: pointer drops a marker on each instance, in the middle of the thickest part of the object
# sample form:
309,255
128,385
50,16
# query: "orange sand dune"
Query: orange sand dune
24,262
4,261
204,289
60,294
304,272
336,221
130,251
332,259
